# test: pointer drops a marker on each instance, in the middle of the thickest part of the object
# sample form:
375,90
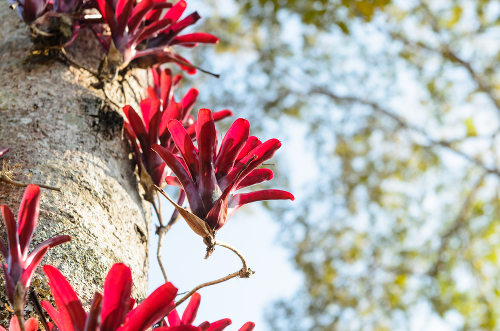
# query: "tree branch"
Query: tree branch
6,179
403,123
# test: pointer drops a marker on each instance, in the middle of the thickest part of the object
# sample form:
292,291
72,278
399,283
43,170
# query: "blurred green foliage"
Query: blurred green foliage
396,225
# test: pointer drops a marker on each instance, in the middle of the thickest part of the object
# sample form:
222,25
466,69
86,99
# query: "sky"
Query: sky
241,300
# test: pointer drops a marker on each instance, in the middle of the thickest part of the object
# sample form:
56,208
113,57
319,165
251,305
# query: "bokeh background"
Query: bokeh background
389,116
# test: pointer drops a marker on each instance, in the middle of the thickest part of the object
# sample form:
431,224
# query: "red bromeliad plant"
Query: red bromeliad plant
151,129
113,309
140,33
210,177
175,323
110,311
21,265
57,22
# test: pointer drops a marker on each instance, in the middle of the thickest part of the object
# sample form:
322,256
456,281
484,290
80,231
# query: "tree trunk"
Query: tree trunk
61,132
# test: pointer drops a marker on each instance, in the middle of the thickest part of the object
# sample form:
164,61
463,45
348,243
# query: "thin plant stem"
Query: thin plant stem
20,319
8,180
161,234
162,229
39,310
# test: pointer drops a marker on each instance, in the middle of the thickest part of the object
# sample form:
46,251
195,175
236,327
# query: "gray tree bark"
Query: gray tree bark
54,123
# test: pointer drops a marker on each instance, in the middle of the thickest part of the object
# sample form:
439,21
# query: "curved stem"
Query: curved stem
228,246
8,180
217,281
244,272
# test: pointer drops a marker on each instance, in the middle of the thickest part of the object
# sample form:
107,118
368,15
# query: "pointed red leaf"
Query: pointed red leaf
70,308
140,10
241,199
231,145
108,14
219,325
166,89
248,326
33,260
154,124
151,310
10,286
174,165
251,143
28,217
178,328
171,180
149,31
93,322
137,125
185,146
123,11
188,101
196,37
255,177
12,238
204,326
173,111
51,242
192,308
252,160
181,25
117,291
56,316
31,324
173,318
206,138
174,13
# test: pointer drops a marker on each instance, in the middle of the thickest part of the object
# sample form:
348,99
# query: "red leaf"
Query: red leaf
241,199
185,146
174,165
231,145
123,11
93,322
12,238
70,308
207,144
174,13
248,326
140,10
137,125
31,324
188,102
219,325
196,37
151,310
166,89
117,291
255,177
33,260
28,217
192,308
173,318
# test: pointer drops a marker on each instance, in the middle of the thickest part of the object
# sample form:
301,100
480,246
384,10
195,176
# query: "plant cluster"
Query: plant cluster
170,147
